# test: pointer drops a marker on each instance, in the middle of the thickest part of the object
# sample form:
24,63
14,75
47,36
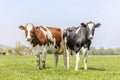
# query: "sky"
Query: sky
60,13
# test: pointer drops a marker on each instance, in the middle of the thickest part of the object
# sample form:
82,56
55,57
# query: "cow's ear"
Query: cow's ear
97,25
83,24
22,27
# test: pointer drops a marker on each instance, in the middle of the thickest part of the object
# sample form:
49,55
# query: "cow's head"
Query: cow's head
29,31
90,27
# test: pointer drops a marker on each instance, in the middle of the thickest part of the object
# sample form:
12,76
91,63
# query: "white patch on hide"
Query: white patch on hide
77,30
90,25
48,34
29,28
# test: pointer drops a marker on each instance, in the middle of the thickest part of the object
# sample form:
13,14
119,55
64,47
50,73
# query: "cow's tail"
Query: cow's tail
64,34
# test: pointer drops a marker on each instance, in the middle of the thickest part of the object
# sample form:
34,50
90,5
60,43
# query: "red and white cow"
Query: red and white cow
43,40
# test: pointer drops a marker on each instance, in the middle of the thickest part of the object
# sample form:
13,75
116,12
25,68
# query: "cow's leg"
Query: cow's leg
37,55
68,58
56,59
85,58
65,59
77,58
38,61
43,58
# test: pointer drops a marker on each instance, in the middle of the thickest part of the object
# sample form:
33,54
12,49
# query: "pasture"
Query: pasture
24,68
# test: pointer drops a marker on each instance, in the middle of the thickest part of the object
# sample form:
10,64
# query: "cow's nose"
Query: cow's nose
28,39
90,37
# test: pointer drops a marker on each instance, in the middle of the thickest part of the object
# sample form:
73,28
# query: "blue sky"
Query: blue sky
62,13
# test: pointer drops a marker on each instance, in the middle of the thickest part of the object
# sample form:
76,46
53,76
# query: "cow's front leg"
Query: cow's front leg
43,64
85,58
77,58
38,61
56,59
43,60
37,55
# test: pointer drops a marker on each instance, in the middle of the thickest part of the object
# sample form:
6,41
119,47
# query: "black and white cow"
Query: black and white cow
79,38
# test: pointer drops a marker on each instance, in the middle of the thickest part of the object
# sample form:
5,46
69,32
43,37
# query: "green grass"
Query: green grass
24,68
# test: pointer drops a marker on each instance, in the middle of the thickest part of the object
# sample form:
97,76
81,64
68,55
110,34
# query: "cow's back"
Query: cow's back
57,34
40,37
71,37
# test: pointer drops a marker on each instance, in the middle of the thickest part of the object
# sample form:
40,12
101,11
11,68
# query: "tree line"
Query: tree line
103,51
20,49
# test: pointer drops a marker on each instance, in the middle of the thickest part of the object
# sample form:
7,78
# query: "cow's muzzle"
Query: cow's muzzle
90,37
28,39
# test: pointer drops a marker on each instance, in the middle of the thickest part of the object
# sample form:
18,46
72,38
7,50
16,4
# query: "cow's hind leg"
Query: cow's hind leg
65,59
68,58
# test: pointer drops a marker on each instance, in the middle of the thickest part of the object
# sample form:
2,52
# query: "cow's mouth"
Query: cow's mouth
91,37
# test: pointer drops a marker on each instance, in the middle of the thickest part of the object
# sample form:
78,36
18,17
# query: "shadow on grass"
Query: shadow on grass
35,68
47,68
44,68
96,69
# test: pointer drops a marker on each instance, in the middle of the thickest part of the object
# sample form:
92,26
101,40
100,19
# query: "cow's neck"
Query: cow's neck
87,41
35,41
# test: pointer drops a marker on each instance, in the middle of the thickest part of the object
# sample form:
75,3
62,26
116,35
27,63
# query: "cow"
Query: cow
43,40
79,39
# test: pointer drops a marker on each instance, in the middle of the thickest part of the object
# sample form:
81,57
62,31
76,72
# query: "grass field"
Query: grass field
24,68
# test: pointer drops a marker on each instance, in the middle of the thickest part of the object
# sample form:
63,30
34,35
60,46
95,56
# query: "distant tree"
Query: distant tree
18,48
102,51
117,51
26,50
1,49
110,51
8,51
92,51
